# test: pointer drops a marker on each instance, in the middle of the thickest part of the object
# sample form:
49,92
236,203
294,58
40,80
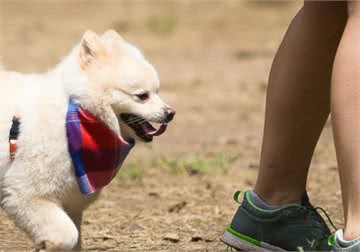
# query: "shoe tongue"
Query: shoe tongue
305,200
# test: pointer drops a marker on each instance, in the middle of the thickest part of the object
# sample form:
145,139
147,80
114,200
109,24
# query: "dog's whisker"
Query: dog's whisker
136,120
141,122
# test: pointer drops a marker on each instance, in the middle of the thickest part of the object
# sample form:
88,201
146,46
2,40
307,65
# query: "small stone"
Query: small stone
177,207
248,182
172,237
154,194
196,238
135,227
192,171
253,166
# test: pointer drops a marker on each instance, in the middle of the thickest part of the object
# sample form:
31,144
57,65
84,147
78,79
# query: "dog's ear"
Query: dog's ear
113,34
91,47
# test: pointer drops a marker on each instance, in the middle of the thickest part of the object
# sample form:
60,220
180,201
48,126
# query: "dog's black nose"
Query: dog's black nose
169,113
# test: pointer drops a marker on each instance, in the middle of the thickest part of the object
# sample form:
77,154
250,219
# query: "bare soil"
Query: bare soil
213,58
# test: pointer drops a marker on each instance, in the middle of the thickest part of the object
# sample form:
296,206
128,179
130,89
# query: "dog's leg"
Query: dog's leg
55,231
48,224
76,216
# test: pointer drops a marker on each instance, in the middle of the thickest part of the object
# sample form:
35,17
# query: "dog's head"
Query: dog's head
128,83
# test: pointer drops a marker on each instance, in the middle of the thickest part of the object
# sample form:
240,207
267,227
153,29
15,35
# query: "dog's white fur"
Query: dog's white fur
38,189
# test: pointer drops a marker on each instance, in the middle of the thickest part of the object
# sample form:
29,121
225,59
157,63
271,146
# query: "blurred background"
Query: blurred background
213,58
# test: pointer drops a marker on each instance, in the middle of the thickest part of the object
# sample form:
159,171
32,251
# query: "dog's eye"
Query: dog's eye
143,96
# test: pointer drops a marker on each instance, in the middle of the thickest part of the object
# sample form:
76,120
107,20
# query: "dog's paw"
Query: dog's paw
48,246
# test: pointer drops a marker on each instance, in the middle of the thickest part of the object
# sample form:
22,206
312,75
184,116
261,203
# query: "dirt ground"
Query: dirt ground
213,58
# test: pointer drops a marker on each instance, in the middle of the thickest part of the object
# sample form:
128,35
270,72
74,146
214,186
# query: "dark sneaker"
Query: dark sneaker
294,227
339,245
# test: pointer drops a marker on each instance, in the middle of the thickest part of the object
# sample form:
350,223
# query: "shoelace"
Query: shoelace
327,216
315,211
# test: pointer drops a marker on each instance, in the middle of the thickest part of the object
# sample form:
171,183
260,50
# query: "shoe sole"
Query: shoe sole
238,243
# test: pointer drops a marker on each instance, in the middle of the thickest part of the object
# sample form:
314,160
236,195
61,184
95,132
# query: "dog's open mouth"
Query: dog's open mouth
142,127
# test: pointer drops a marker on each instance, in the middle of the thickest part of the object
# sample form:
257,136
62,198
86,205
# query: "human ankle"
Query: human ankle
351,234
260,203
278,197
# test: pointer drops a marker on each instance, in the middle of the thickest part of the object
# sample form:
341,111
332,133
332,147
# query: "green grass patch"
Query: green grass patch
161,24
217,162
193,165
132,171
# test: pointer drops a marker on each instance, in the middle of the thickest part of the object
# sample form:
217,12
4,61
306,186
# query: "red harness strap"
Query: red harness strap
13,136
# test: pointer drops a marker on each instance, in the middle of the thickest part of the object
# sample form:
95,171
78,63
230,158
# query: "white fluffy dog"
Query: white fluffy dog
112,80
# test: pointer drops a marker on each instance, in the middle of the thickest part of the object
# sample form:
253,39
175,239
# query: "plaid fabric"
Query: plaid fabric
96,151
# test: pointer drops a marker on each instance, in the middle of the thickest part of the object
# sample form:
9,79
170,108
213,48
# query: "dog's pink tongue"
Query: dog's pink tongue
157,132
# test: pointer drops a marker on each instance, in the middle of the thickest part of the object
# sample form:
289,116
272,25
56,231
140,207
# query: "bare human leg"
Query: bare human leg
298,100
345,110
